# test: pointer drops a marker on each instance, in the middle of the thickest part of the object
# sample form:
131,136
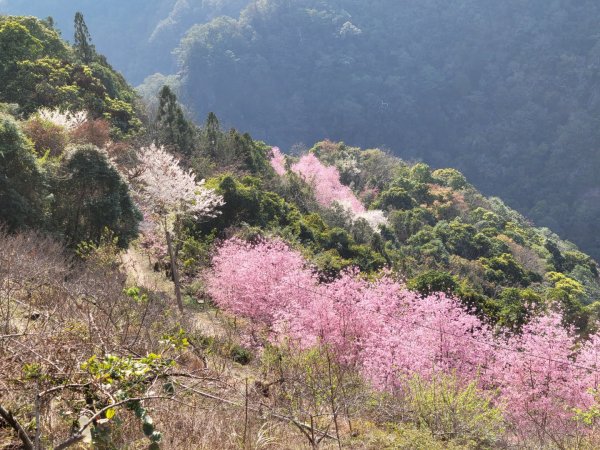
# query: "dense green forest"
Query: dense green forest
137,44
437,228
166,283
504,91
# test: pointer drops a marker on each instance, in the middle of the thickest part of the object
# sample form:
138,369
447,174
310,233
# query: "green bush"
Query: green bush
433,281
454,412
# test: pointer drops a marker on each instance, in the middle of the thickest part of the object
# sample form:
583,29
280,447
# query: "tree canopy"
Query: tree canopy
503,91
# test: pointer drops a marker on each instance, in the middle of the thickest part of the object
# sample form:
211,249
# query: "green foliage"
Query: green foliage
451,178
402,437
39,70
433,281
195,253
569,294
90,196
246,202
591,415
33,371
573,258
102,254
127,376
22,184
463,239
460,414
178,341
407,223
16,44
394,198
229,151
136,294
122,115
54,83
240,355
516,306
128,371
504,269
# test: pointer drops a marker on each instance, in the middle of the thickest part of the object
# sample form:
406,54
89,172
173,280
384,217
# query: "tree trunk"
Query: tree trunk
174,271
15,425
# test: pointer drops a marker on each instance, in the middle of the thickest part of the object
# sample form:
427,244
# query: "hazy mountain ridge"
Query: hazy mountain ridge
511,102
137,36
503,91
335,297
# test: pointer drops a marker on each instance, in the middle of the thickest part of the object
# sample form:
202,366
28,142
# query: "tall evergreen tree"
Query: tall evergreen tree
174,130
211,130
83,39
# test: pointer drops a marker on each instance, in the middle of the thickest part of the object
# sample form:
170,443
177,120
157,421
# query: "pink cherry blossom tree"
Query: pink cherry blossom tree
168,193
327,186
259,280
278,161
539,379
379,325
326,182
388,333
425,336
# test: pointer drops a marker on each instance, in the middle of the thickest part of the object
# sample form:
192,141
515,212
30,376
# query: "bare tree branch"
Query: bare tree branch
15,425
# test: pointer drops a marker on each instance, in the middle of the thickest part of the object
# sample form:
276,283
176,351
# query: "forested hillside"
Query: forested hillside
167,284
137,44
504,91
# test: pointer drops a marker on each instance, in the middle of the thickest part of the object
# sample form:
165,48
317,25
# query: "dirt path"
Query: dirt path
140,272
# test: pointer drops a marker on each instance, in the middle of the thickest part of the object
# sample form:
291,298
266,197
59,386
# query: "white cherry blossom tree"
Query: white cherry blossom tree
169,193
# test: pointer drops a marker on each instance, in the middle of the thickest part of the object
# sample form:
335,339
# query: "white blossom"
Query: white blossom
68,120
374,217
170,190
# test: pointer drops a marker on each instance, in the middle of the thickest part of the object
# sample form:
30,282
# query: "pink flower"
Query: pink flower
278,161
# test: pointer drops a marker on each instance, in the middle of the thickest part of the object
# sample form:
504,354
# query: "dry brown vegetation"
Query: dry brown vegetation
83,358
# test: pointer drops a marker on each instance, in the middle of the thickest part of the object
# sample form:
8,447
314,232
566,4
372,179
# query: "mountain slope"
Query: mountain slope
503,91
138,45
334,298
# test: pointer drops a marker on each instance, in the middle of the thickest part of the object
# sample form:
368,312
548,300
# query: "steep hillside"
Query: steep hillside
432,228
503,91
137,44
170,285
38,69
54,177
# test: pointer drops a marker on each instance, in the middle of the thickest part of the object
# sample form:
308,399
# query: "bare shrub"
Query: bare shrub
92,131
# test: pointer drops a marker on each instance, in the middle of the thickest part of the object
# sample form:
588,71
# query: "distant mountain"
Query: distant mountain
137,36
507,91
331,286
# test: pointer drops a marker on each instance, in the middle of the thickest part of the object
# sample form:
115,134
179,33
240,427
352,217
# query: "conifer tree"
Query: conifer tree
174,130
211,130
83,39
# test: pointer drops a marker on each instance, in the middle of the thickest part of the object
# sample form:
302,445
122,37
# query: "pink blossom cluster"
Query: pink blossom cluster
278,161
390,333
324,179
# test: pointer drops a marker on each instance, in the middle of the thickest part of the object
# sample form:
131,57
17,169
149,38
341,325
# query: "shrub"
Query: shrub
46,136
95,132
454,412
